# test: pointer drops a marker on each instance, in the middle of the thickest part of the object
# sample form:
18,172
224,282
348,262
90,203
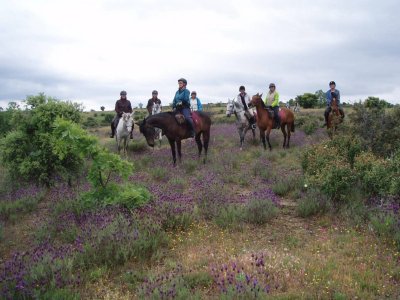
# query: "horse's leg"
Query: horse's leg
179,146
262,138
284,135
206,139
199,144
268,132
254,133
288,128
242,134
172,144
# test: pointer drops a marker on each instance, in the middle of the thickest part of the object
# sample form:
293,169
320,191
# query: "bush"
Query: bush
90,122
312,203
22,205
260,211
378,128
27,152
284,186
128,196
387,225
310,126
230,216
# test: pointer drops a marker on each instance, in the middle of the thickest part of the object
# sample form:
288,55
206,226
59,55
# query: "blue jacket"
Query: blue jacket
329,97
182,96
199,106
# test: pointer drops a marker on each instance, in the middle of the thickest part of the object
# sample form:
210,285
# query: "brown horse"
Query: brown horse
334,118
265,123
175,132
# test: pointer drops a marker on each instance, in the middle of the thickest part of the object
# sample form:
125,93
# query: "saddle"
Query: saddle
180,118
270,111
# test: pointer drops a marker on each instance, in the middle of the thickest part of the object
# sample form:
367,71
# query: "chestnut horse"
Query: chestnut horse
334,118
265,123
175,132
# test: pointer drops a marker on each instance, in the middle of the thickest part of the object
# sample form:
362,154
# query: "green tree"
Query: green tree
102,108
321,96
140,105
375,102
307,100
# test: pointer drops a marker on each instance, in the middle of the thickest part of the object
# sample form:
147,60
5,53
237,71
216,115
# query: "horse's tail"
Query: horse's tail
292,127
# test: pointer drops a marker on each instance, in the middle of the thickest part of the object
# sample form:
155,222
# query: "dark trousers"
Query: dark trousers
186,112
114,124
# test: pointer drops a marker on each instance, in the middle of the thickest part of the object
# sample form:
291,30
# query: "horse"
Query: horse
156,110
242,123
334,118
124,128
175,132
265,122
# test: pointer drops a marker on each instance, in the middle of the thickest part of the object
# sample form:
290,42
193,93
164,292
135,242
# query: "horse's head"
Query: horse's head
148,131
128,121
256,100
334,103
229,108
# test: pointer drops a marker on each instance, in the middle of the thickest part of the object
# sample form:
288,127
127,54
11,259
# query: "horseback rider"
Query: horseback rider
181,103
272,100
195,103
330,94
123,105
153,100
243,100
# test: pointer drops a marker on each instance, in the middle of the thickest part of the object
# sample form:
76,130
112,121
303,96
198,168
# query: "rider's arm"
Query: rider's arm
276,100
338,96
328,98
130,110
199,106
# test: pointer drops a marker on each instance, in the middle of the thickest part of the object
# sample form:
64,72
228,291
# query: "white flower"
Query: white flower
305,185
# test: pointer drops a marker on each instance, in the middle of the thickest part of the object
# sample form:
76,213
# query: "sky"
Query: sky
88,51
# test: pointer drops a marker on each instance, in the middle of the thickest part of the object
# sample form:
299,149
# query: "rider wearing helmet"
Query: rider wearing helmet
153,100
272,100
182,103
123,105
330,94
243,99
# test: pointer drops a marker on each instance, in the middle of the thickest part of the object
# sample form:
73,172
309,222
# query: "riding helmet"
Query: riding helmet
123,93
242,88
154,92
332,82
193,93
271,85
183,80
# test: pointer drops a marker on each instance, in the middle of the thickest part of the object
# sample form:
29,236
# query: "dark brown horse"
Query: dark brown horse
265,122
175,132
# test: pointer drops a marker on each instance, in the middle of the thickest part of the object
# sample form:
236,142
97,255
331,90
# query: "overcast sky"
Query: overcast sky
88,51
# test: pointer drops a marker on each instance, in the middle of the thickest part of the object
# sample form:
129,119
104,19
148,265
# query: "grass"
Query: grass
323,257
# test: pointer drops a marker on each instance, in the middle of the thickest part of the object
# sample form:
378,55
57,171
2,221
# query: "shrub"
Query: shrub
22,205
386,224
310,126
230,216
284,186
312,202
378,128
90,122
129,196
27,152
260,211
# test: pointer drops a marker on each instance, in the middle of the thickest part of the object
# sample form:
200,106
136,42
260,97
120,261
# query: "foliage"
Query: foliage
102,108
22,205
27,152
379,129
260,211
375,102
313,202
307,100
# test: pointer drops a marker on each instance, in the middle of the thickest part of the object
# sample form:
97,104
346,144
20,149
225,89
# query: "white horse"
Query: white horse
156,110
124,128
242,123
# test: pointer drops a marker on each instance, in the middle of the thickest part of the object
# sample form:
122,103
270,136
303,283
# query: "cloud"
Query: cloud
89,51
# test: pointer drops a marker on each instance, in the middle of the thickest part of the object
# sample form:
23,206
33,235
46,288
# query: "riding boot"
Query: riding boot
112,131
252,122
